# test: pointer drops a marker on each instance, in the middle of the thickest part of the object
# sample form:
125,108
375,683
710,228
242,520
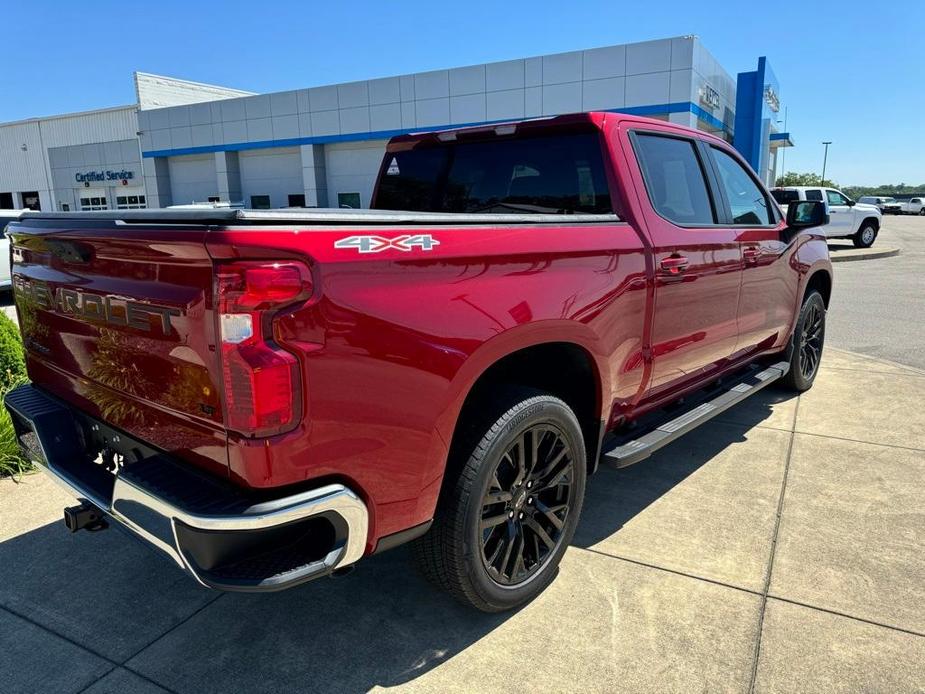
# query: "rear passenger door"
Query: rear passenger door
769,284
698,261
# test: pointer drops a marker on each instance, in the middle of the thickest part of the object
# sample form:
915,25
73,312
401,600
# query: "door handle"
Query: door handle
751,254
674,264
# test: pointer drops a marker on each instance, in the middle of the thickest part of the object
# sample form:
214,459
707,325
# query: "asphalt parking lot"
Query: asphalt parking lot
878,306
778,549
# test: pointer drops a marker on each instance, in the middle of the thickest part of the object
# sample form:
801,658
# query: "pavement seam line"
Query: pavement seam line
909,374
767,580
54,632
676,572
867,443
64,637
153,641
817,608
114,663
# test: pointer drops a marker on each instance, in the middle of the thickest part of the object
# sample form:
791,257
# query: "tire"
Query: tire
808,341
865,236
481,566
922,211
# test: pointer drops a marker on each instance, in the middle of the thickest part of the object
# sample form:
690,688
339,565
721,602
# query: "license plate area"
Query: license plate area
90,454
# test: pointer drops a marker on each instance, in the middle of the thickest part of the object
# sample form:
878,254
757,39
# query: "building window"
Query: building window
297,200
30,201
131,202
6,201
260,202
65,207
349,200
93,200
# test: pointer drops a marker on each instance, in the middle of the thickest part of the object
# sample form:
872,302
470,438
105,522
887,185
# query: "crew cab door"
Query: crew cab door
768,293
697,261
841,214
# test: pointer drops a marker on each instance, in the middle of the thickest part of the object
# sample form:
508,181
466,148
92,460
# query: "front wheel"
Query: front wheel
865,236
922,212
808,340
508,514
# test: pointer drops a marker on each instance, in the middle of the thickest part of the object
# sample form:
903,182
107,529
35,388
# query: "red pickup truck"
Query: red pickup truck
268,396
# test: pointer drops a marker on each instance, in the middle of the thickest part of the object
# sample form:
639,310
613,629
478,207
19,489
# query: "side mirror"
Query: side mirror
851,203
805,214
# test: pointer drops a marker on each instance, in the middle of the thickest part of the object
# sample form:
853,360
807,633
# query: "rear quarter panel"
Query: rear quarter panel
394,340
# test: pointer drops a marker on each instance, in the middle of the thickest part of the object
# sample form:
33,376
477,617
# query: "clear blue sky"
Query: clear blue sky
849,72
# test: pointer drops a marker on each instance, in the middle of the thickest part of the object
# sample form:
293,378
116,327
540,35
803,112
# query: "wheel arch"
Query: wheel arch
821,281
567,369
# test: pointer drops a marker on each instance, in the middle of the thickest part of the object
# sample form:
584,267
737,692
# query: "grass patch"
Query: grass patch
12,374
12,463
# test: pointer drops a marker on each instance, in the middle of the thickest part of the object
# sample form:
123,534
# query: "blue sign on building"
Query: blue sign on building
757,114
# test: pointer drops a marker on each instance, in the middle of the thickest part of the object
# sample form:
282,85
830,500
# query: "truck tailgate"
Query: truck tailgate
117,319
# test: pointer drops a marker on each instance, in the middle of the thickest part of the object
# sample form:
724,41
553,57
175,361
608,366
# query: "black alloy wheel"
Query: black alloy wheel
527,504
811,336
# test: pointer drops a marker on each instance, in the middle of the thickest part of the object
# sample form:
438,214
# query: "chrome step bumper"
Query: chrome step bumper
208,528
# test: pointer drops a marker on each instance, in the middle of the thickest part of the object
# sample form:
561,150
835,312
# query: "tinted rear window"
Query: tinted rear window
785,197
557,174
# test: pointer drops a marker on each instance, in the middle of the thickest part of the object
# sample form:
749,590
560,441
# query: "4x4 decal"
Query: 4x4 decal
377,244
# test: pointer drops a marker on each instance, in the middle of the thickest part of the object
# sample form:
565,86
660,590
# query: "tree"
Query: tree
792,178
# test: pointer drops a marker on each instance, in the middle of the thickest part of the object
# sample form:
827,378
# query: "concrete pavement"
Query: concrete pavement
780,549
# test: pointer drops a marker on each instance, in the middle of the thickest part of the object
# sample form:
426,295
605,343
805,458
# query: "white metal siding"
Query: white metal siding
192,178
274,172
352,167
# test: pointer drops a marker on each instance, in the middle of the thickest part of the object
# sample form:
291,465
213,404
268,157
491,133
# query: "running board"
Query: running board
626,452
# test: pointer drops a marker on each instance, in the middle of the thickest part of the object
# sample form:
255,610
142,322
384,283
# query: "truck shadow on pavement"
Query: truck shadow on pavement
381,625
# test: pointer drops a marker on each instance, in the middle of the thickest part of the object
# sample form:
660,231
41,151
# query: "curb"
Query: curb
850,254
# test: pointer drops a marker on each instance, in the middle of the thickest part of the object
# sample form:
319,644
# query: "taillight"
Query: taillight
263,392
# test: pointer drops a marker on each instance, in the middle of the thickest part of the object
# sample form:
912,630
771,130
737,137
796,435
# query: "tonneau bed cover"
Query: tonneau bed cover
312,216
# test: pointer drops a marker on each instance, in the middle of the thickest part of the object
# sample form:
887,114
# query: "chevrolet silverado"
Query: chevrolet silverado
266,396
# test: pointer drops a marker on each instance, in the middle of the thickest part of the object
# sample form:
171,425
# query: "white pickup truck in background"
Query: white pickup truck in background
849,219
911,206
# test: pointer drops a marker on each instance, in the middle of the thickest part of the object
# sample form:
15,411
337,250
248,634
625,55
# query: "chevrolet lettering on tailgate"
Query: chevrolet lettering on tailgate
115,310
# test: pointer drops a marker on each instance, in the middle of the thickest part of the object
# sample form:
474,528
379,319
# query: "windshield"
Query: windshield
550,174
785,197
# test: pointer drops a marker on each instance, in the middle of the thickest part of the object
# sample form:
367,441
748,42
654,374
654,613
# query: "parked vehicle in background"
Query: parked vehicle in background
911,206
6,216
269,395
876,201
849,219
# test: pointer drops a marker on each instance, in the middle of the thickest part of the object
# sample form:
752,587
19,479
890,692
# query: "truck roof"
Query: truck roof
593,119
803,187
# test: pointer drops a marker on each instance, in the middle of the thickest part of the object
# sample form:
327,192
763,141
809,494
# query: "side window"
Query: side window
674,179
836,198
747,201
814,195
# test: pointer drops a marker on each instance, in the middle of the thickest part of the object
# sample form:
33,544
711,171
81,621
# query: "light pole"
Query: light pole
825,158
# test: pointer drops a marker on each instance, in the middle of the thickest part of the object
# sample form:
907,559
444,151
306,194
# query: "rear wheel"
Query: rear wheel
507,517
865,236
922,211
808,340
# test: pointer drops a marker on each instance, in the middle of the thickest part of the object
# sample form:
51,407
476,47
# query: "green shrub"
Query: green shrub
12,374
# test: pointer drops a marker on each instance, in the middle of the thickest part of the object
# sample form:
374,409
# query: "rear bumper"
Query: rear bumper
210,529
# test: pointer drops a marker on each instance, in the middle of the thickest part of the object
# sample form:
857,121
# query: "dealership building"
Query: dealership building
184,142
